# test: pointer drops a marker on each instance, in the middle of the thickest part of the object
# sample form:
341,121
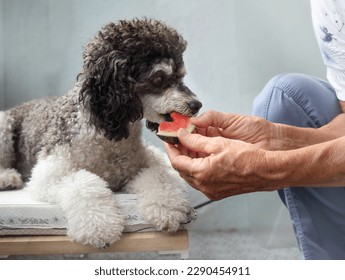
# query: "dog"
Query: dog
77,149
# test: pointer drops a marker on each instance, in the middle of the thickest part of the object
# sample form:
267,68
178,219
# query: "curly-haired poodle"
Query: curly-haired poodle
76,149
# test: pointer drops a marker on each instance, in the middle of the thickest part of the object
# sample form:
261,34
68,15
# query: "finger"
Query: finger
176,158
211,118
200,130
197,143
205,189
191,181
184,151
182,163
208,131
172,151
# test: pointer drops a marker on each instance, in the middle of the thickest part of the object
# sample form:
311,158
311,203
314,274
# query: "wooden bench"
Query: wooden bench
161,242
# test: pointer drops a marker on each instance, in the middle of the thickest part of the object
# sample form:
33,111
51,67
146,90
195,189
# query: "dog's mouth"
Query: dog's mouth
154,126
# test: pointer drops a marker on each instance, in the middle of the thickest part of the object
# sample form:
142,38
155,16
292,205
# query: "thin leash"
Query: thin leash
203,204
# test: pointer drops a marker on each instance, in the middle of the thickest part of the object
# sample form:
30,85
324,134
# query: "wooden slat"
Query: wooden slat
129,242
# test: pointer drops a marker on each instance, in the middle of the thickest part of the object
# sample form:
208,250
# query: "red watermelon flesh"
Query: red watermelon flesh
167,131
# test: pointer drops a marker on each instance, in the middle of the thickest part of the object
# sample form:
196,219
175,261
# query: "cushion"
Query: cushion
20,214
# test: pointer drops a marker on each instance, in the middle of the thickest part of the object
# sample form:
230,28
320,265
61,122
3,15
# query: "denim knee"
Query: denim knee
297,99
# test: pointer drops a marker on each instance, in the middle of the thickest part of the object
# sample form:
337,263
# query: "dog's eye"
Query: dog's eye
157,81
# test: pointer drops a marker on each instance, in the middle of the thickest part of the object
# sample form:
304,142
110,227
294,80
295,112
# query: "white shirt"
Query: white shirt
329,26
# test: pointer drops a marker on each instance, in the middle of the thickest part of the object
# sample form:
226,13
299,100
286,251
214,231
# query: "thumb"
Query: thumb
196,142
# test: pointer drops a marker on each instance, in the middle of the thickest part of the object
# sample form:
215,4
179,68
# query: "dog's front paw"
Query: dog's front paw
10,179
98,228
98,235
168,218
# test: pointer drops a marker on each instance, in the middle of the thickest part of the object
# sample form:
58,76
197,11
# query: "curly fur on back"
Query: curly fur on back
113,62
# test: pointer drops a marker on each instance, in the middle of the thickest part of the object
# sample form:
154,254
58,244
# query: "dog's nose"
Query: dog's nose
195,106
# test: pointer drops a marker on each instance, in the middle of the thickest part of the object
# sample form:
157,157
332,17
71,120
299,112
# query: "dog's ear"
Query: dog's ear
107,92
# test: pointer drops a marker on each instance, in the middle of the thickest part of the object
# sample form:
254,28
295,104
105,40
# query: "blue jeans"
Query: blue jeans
317,213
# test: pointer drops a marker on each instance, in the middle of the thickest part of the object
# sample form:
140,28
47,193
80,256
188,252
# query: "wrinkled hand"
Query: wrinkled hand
220,167
250,129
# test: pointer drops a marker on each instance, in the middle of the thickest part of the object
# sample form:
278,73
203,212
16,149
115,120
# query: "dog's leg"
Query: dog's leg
9,177
162,196
93,216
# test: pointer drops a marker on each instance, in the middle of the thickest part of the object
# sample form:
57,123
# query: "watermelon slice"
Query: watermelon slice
167,131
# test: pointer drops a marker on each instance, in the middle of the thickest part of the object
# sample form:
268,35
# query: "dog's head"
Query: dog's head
134,69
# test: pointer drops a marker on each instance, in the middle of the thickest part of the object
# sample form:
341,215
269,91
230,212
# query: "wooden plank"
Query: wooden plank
129,242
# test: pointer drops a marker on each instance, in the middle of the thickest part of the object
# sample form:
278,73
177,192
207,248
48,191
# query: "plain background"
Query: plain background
234,48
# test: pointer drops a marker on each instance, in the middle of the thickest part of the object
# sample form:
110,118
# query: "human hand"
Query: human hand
250,129
220,167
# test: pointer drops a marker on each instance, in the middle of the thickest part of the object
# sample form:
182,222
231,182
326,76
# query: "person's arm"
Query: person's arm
285,137
317,165
231,167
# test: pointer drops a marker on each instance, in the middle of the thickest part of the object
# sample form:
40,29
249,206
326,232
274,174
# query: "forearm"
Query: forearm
285,137
317,165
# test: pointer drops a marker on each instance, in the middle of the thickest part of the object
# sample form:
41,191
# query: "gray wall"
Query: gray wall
235,47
